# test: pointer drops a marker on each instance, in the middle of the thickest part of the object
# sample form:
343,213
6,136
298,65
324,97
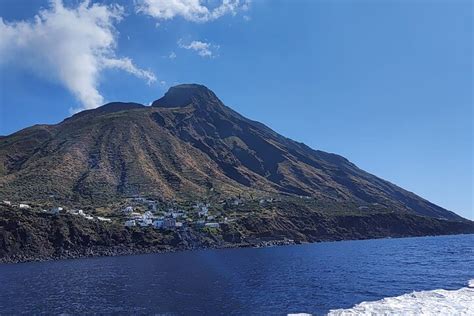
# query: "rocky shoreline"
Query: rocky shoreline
125,251
36,236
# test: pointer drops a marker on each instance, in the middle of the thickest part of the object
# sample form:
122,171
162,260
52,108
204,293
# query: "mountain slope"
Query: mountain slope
186,145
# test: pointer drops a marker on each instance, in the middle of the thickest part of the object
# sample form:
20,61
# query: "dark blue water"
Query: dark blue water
307,278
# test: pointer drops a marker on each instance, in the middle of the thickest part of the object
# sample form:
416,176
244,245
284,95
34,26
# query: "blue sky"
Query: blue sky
387,84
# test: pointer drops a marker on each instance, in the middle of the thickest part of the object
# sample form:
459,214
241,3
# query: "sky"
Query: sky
387,84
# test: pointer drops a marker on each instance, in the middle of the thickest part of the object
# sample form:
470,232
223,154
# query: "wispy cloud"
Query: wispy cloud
190,10
172,55
203,49
70,45
127,65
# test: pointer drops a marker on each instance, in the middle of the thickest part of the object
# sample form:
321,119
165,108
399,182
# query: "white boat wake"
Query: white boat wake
436,302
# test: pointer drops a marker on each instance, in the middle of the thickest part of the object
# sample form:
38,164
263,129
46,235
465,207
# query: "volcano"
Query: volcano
187,145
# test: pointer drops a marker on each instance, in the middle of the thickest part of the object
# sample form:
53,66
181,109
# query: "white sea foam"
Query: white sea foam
436,302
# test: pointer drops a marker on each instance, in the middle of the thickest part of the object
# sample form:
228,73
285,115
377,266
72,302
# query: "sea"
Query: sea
407,276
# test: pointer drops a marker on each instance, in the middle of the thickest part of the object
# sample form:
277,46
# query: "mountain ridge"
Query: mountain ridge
183,146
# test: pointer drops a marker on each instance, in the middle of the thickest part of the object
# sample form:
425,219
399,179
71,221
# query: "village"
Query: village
144,212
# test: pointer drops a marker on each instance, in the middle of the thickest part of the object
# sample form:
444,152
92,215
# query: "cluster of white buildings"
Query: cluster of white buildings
81,213
264,201
172,218
21,205
149,219
57,210
158,223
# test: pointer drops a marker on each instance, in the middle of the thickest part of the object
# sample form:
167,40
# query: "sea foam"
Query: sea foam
436,302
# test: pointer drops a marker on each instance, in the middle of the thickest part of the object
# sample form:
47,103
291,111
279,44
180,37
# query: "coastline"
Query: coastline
96,252
130,251
37,236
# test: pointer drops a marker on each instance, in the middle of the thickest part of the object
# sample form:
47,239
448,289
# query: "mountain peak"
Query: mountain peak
185,94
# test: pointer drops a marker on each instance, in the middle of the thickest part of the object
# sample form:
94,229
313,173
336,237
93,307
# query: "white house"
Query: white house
77,212
130,223
103,219
148,214
7,202
136,215
128,210
158,223
56,210
145,222
212,225
177,214
178,224
24,206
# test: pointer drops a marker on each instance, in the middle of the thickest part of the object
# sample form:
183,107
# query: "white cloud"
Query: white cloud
203,49
70,45
172,55
127,65
190,10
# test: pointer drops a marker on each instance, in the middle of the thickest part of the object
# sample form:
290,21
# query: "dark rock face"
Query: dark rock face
184,95
183,146
26,236
29,235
